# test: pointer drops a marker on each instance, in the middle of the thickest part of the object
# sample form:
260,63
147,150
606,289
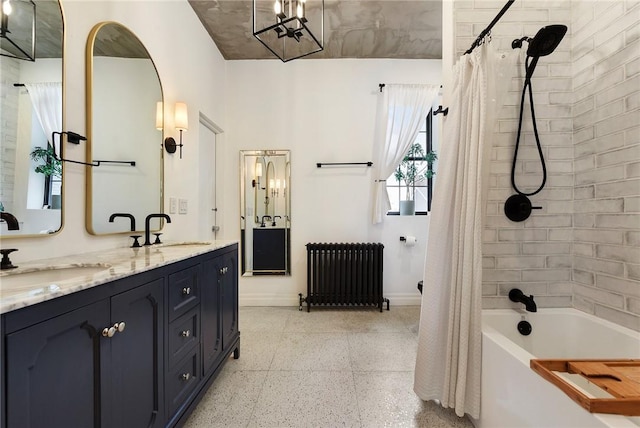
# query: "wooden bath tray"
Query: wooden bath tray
620,378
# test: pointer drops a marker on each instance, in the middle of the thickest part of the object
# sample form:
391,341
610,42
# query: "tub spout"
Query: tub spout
516,295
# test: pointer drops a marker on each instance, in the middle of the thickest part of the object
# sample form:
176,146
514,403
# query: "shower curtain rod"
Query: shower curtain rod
487,30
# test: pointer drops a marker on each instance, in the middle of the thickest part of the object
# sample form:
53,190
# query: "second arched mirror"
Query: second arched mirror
123,89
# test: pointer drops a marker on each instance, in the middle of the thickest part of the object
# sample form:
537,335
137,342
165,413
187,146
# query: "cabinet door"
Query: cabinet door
137,357
211,328
229,300
54,370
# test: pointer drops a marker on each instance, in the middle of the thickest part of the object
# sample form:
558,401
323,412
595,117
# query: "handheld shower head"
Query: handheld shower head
546,40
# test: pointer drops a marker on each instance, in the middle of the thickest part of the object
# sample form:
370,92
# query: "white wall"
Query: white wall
191,69
323,111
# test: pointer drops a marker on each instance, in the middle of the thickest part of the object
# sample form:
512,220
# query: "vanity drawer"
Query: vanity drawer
184,291
182,380
184,334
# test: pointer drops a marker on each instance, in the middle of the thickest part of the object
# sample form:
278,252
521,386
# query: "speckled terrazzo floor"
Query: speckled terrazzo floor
326,368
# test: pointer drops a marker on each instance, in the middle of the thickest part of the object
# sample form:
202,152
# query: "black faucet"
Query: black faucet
12,221
147,241
6,263
274,220
263,217
130,216
516,295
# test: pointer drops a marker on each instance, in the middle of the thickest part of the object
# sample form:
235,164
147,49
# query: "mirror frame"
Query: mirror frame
91,39
64,116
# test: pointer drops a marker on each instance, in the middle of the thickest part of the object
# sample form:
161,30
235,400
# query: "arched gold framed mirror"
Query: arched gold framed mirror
32,184
123,90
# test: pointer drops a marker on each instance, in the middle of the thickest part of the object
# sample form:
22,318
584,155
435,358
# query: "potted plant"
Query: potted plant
408,172
50,166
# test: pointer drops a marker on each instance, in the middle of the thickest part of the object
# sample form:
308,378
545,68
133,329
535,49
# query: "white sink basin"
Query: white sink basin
18,281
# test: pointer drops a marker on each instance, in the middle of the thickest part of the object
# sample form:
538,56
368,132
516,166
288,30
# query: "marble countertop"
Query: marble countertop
41,280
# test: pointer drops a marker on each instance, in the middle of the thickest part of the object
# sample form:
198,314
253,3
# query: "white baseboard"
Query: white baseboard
270,299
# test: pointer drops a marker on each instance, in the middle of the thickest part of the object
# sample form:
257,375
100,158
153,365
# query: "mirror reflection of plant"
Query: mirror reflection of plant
408,171
51,165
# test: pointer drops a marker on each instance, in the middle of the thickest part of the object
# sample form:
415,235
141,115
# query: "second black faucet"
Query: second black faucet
147,240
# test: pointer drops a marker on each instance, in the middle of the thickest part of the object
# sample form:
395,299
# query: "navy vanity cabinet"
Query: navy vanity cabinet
139,351
220,310
137,355
210,313
54,370
229,303
77,369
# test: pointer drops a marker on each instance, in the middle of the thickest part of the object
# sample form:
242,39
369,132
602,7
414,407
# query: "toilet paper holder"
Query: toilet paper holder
403,239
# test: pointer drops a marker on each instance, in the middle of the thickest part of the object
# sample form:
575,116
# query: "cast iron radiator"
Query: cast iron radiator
344,275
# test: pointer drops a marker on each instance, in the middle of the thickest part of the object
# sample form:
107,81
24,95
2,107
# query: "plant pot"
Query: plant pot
56,202
407,207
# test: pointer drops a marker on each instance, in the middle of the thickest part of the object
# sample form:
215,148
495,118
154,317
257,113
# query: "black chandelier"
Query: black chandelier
18,29
286,27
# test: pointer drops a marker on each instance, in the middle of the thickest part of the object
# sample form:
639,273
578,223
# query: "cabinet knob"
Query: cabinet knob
185,333
224,270
108,331
119,326
186,291
185,376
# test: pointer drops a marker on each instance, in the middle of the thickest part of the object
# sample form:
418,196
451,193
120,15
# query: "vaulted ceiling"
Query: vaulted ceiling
353,29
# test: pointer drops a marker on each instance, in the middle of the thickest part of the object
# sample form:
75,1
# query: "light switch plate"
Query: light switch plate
182,206
173,204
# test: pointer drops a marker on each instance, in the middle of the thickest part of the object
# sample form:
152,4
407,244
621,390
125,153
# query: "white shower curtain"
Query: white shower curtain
47,103
402,110
449,356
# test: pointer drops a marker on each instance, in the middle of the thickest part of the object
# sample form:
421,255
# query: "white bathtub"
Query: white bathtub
514,396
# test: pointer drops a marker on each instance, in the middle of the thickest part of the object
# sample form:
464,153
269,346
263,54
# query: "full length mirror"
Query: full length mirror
32,108
265,186
123,90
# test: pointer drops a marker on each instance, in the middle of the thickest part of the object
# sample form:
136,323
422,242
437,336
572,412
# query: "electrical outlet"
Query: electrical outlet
182,206
173,204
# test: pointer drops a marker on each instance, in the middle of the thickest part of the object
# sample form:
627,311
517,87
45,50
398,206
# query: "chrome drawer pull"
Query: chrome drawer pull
186,291
185,333
185,376
119,326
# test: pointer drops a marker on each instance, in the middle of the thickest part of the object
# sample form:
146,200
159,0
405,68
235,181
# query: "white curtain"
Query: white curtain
47,103
448,363
402,110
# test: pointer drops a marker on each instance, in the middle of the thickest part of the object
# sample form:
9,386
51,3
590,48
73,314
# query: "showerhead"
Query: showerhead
546,40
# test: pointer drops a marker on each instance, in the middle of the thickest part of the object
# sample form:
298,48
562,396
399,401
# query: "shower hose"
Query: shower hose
527,85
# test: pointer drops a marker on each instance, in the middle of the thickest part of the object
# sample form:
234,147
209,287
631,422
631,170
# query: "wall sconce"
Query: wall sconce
258,174
181,124
18,40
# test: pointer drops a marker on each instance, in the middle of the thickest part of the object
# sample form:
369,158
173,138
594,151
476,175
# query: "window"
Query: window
418,163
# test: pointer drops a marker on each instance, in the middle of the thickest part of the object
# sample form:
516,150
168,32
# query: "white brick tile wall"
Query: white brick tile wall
582,249
9,74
